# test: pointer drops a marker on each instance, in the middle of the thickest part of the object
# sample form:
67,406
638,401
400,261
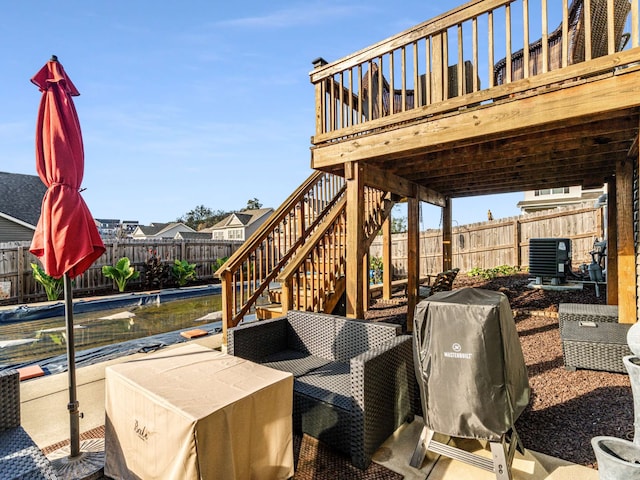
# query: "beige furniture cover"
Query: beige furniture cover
195,413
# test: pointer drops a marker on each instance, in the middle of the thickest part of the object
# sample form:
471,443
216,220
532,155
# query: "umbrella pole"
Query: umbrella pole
73,404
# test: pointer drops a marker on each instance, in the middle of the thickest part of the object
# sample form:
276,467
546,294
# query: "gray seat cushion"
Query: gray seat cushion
329,383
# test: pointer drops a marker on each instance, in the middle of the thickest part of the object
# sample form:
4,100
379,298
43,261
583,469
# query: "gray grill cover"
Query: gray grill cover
469,364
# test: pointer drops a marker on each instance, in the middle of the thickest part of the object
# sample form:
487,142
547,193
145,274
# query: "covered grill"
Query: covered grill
470,369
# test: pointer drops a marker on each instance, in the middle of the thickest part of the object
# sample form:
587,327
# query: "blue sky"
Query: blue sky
196,102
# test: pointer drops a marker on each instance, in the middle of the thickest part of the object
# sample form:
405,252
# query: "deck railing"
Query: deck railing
314,280
474,54
253,267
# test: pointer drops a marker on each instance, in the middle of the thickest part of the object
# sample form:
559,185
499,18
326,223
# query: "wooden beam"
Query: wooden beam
387,265
413,258
447,222
355,239
612,244
627,277
388,182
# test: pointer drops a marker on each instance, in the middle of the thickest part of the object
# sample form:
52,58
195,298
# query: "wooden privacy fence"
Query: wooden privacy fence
17,284
500,242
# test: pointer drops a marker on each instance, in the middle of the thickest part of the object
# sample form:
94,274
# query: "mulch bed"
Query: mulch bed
566,408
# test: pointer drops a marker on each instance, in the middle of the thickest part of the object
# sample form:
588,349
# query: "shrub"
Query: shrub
183,272
52,286
121,273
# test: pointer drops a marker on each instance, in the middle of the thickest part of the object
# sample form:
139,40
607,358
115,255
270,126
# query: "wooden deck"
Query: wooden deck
493,96
395,117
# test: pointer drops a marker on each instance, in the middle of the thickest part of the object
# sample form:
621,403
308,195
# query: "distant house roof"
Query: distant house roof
193,236
244,218
160,230
21,197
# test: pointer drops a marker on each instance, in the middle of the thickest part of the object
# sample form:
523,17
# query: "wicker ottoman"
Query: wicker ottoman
592,338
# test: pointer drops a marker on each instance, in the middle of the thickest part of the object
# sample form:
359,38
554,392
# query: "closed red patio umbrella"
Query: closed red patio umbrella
66,239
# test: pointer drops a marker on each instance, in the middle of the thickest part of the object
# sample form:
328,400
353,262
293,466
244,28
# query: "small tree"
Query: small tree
253,204
121,273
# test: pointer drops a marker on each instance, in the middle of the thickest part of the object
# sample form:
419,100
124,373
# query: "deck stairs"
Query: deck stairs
297,259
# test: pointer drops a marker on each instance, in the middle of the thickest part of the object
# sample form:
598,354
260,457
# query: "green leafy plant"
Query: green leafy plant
219,262
52,286
183,272
489,273
121,273
375,270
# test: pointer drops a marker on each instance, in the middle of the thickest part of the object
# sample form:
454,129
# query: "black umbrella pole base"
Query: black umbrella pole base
88,465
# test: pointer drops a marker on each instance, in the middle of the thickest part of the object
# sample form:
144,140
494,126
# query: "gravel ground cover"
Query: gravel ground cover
566,408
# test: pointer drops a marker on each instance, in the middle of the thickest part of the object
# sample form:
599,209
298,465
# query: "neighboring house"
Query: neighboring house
545,199
128,227
160,230
108,227
239,225
20,203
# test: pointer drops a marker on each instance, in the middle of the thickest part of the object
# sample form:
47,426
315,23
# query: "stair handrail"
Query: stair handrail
378,206
244,280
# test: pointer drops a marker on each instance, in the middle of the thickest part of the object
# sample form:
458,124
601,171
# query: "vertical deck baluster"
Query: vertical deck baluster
462,87
445,65
490,48
360,112
525,23
341,122
507,40
587,29
403,70
351,116
611,33
565,33
392,87
635,34
416,74
545,37
427,75
474,53
380,88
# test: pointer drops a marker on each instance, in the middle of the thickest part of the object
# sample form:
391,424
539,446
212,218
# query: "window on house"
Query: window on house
235,234
551,191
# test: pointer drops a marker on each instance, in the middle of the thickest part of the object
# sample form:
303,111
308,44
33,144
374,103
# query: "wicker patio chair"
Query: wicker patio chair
442,283
20,457
354,381
576,38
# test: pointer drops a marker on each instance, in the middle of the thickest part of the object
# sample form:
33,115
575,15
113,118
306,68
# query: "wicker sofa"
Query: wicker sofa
20,457
592,338
354,381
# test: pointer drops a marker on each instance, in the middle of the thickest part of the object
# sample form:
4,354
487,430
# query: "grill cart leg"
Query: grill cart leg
502,453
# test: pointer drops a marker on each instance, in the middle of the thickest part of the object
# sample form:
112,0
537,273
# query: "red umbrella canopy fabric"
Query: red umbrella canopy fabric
66,238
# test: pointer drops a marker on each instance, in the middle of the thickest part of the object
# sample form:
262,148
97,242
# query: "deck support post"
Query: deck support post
354,176
612,243
387,266
447,216
627,312
413,258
